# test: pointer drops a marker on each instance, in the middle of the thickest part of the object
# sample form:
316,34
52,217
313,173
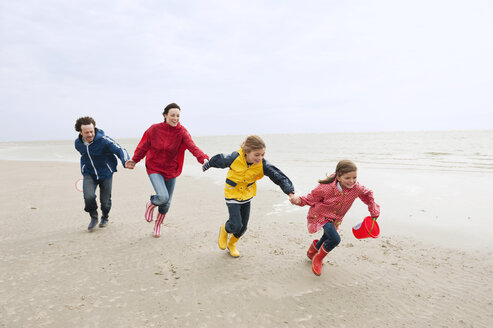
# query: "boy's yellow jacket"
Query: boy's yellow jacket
242,176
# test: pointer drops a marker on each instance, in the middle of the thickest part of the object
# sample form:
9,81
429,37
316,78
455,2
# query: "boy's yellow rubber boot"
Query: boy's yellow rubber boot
232,246
223,237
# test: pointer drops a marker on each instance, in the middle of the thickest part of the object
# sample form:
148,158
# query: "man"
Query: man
98,163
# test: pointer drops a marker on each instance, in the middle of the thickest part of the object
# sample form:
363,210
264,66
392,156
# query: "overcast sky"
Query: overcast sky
241,67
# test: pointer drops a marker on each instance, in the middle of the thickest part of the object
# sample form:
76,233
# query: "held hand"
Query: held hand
130,164
294,200
205,166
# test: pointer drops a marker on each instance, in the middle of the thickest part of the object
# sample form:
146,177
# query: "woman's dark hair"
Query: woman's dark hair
343,167
170,106
86,120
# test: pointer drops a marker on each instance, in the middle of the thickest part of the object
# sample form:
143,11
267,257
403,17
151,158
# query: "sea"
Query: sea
431,182
470,151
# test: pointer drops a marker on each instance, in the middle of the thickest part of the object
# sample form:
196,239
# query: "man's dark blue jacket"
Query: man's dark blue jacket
98,158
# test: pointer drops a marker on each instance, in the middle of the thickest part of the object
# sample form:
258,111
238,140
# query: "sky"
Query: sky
244,67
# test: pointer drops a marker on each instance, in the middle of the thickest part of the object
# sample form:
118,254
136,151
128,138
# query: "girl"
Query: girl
246,166
329,202
164,146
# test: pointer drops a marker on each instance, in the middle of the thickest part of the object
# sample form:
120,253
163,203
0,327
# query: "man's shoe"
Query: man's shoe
94,222
104,222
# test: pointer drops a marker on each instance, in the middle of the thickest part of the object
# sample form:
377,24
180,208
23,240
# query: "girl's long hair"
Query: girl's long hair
343,167
252,142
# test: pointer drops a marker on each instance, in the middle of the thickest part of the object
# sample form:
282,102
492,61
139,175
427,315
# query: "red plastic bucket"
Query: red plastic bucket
368,228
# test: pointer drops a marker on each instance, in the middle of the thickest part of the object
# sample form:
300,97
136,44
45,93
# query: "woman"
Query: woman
164,146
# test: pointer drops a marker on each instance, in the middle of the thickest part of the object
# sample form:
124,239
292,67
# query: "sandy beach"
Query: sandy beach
54,273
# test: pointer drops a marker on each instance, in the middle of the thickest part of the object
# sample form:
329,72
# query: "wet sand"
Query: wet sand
54,273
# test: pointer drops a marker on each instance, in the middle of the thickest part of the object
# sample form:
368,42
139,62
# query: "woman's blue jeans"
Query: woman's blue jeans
164,191
89,185
330,239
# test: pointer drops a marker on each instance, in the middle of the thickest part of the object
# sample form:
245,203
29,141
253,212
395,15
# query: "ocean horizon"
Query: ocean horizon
470,150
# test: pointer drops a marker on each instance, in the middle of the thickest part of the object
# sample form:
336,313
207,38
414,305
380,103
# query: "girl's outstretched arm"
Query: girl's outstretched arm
221,161
366,196
314,197
278,177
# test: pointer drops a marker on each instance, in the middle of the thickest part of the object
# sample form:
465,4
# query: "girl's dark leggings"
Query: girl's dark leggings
238,219
330,238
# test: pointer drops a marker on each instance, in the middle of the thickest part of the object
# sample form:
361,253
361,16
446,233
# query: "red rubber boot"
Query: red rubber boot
149,211
312,250
317,261
157,225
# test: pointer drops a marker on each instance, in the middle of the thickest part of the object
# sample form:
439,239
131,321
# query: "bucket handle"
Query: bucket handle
372,224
